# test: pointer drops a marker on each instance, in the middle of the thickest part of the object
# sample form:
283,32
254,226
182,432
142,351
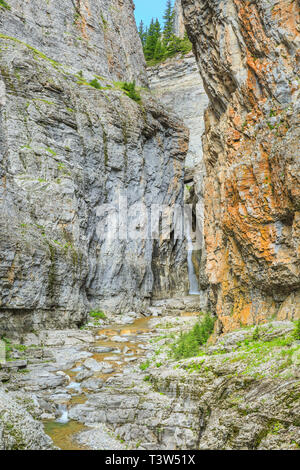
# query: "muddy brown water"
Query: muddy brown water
62,435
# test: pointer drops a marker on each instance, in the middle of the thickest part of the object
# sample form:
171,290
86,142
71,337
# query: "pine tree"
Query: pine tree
160,51
153,37
142,33
169,23
159,45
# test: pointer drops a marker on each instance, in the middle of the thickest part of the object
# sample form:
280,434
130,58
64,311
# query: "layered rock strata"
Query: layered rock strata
179,27
121,387
176,84
18,429
71,142
248,54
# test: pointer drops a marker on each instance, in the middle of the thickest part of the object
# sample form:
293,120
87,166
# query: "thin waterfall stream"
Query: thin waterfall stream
194,285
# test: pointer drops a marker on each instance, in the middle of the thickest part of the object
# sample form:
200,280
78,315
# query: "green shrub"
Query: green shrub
96,314
131,91
296,333
4,5
256,334
94,83
189,343
145,365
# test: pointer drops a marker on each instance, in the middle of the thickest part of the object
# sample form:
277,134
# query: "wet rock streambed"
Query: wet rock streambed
115,385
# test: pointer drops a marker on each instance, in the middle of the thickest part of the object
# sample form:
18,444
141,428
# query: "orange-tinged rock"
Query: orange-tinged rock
248,58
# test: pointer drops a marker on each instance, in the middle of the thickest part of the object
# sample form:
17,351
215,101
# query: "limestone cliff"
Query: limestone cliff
176,83
71,140
179,28
247,52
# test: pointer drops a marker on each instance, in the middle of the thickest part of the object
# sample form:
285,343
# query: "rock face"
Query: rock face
99,36
179,28
176,84
18,429
247,53
230,399
67,148
240,393
126,385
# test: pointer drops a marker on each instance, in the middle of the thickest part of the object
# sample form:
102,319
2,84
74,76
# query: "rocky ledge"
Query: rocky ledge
115,384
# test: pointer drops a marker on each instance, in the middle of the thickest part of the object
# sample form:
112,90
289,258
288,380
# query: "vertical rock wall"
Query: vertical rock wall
99,35
248,54
177,84
179,28
71,141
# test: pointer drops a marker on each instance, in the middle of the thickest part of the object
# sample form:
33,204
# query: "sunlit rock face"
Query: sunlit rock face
177,84
67,148
247,53
179,28
95,35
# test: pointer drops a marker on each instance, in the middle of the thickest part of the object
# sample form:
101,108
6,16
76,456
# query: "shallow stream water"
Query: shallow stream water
135,336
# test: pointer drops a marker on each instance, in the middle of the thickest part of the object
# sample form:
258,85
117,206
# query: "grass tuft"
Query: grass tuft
5,5
96,314
131,91
189,343
94,83
296,332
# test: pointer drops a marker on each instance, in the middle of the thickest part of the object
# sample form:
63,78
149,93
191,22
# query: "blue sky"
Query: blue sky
147,9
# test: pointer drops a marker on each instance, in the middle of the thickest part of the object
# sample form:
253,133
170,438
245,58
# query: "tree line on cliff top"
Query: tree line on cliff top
160,42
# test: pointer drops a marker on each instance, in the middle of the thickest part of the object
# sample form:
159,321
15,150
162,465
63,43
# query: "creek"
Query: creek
115,347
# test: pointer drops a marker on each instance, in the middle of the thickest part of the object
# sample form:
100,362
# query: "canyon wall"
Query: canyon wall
71,140
176,83
248,55
179,27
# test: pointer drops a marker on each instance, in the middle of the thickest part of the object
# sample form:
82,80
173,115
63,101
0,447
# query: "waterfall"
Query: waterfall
194,286
64,417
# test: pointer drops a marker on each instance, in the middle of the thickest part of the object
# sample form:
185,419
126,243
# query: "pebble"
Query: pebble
93,365
103,349
92,384
84,374
119,339
109,370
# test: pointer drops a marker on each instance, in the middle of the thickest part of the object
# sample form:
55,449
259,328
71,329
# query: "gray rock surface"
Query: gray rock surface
240,391
99,438
98,36
178,85
179,27
67,149
18,429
